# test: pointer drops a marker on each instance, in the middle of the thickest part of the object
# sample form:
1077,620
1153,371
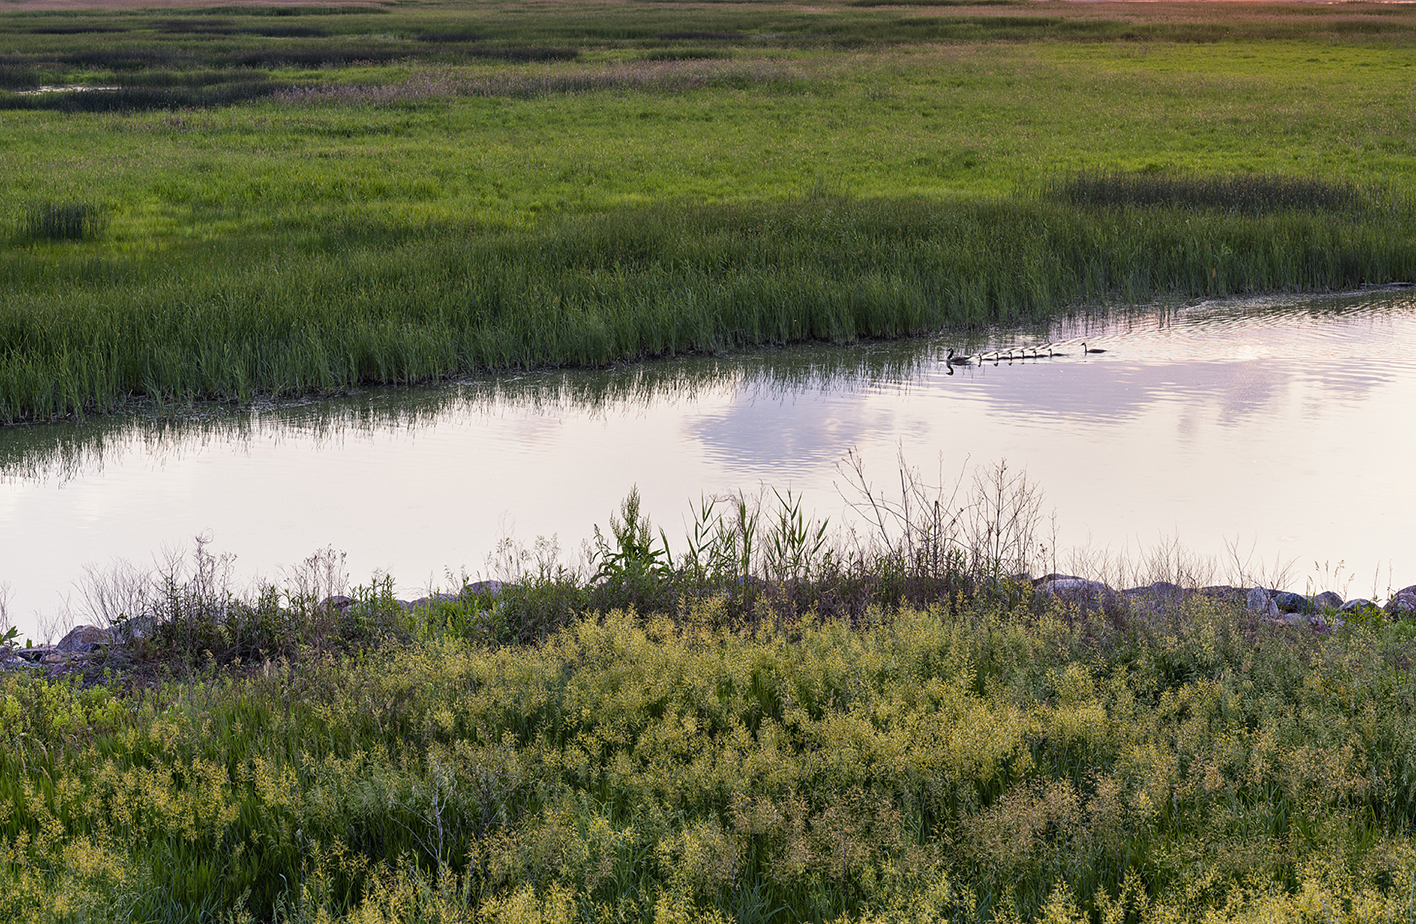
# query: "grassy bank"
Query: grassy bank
967,761
324,198
766,723
89,335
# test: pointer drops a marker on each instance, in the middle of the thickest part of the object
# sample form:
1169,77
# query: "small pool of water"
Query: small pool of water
1272,437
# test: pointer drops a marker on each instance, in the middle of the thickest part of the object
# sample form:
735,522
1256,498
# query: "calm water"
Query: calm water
1277,431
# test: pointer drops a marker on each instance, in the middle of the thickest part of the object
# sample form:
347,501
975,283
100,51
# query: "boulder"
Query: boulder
131,629
337,603
1160,592
1222,593
430,600
483,589
1260,601
84,638
1327,600
1357,605
1402,605
1154,598
1080,592
1289,602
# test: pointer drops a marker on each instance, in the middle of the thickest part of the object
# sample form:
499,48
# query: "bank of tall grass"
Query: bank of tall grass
965,761
359,306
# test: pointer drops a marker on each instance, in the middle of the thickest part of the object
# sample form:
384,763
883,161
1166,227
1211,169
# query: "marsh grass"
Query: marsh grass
971,755
1249,194
631,284
64,221
968,761
131,99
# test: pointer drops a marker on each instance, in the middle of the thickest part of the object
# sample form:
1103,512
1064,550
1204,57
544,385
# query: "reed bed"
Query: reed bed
92,335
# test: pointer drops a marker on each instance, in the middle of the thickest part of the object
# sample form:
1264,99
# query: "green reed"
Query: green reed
90,335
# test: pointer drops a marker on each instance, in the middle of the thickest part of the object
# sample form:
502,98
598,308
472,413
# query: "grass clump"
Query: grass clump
1250,194
64,221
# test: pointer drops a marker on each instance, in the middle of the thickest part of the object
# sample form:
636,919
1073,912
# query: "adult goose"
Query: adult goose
953,360
1085,351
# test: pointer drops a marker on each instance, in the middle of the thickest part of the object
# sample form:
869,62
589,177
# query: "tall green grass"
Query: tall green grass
90,335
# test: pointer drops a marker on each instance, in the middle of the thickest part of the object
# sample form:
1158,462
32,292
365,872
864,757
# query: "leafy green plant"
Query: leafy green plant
635,569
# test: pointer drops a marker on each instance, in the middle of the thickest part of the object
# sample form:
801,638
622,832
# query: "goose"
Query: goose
1085,351
953,360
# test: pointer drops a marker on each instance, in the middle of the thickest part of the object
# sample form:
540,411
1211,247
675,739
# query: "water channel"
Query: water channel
1273,437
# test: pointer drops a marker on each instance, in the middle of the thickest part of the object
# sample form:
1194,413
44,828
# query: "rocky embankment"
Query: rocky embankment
1323,612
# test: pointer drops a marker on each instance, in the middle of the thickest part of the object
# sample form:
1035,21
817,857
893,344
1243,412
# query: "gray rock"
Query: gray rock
35,655
1289,602
337,602
1260,601
483,589
1160,591
1327,600
84,638
1357,605
1085,594
1154,599
1223,593
1403,604
129,630
1325,624
432,599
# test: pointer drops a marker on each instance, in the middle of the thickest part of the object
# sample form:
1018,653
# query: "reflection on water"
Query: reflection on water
1276,425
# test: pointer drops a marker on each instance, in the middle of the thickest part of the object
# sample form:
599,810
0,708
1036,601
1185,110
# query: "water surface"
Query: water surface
1271,436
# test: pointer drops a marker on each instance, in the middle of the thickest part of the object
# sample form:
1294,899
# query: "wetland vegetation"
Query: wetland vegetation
233,202
770,725
305,202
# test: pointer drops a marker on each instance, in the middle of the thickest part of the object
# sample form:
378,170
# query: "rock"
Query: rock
1357,605
1160,591
35,655
1403,604
1289,602
1327,600
1086,595
1222,593
1321,624
337,602
1260,601
1154,599
483,589
84,638
431,600
127,631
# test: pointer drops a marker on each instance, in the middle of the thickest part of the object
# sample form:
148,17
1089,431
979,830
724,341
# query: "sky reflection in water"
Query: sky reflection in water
1280,429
